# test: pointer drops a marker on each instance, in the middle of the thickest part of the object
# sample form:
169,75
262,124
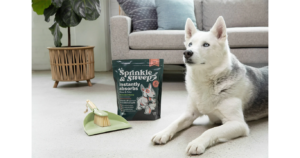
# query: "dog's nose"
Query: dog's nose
187,54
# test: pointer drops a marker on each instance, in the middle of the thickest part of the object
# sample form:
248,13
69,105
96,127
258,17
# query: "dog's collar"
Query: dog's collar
147,98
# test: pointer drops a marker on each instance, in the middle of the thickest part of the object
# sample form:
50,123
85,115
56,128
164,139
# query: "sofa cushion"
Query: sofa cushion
248,37
159,39
172,14
245,37
143,13
198,13
237,13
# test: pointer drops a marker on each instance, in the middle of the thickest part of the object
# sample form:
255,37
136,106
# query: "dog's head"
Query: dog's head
147,92
205,49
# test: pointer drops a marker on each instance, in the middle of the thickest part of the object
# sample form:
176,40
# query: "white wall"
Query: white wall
94,33
41,39
114,8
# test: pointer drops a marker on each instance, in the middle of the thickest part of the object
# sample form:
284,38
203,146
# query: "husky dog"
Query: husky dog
218,86
147,101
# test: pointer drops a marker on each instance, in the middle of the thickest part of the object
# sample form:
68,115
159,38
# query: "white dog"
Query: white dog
147,101
218,86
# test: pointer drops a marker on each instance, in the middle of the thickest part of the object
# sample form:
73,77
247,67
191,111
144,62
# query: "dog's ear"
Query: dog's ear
190,29
149,87
219,29
142,88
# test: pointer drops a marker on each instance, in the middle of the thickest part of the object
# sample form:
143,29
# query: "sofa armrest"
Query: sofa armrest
120,28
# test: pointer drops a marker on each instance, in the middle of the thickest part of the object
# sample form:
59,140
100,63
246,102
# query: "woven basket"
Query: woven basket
72,63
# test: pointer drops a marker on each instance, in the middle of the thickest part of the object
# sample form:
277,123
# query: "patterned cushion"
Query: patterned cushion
142,13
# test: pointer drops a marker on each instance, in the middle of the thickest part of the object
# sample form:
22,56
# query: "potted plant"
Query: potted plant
69,63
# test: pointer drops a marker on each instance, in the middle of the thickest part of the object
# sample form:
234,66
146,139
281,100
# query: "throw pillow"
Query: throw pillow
172,14
142,13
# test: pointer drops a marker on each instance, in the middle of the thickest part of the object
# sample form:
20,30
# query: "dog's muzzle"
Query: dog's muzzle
187,54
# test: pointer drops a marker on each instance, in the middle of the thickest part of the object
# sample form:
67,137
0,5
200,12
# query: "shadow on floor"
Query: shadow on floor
73,84
256,122
173,77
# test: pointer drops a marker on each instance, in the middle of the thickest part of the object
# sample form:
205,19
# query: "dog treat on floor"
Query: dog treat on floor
138,86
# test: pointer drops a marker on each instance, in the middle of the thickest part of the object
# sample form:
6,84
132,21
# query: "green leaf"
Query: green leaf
87,9
68,15
56,34
40,5
49,12
57,3
59,20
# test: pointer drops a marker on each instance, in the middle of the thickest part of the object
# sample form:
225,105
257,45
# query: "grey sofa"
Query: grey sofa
247,29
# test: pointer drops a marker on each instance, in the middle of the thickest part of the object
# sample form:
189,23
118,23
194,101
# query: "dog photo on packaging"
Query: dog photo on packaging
218,86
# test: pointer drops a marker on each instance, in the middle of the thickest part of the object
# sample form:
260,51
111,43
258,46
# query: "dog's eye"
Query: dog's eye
190,44
205,45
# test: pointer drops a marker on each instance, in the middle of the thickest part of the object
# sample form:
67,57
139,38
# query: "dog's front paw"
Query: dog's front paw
162,137
195,148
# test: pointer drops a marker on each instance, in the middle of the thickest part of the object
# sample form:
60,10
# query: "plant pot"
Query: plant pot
74,63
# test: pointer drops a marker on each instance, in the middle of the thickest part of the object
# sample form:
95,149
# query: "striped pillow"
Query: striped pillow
142,13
